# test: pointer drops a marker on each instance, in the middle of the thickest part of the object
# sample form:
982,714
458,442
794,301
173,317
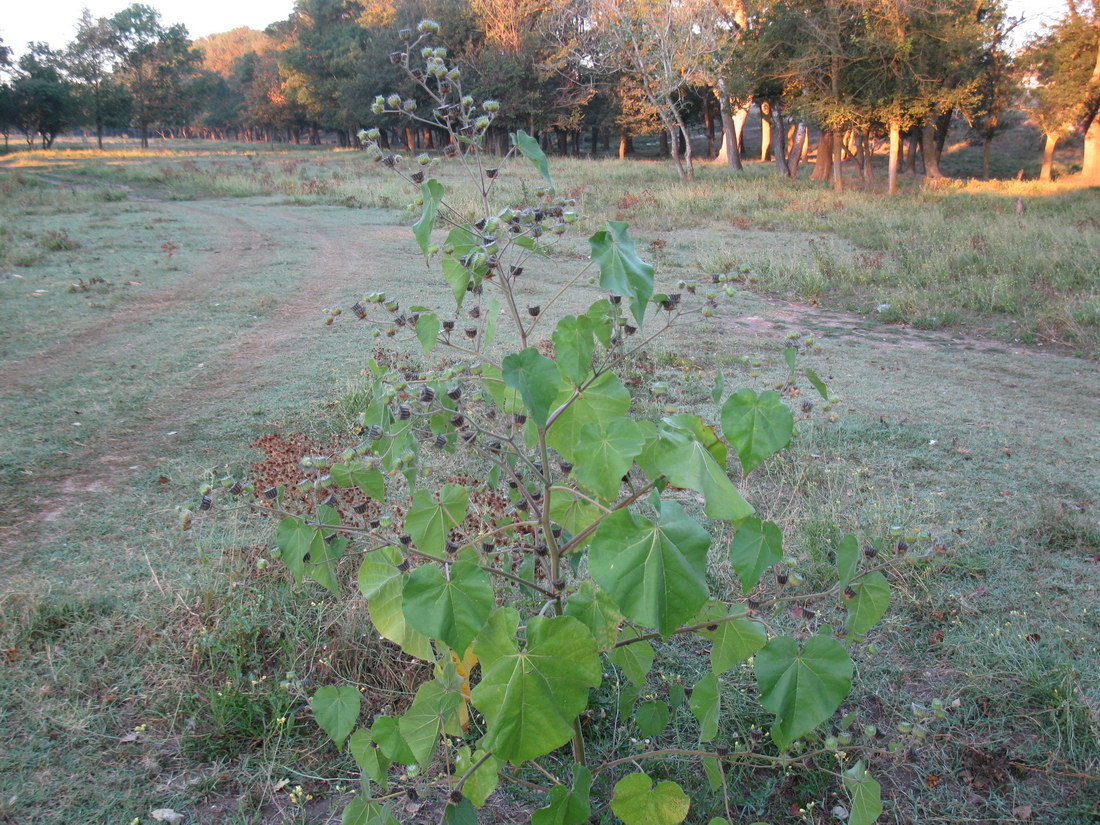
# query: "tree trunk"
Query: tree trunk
662,149
729,150
911,153
1090,165
797,144
1046,175
987,141
823,166
765,130
943,128
779,138
708,122
740,118
928,152
895,152
838,163
626,145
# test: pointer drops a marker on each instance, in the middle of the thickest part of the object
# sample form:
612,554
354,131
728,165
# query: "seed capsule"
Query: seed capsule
458,421
360,507
870,551
406,35
541,549
471,332
782,577
404,412
849,592
236,489
417,177
533,311
405,539
629,330
515,271
475,312
454,393
331,500
427,394
616,299
469,437
397,58
271,492
206,503
448,326
491,173
374,433
440,441
566,466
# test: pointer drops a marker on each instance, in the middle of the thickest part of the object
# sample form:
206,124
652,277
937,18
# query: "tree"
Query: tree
89,60
154,63
43,99
997,85
1064,65
664,47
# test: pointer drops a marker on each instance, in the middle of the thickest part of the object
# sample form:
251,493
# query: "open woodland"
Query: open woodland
184,319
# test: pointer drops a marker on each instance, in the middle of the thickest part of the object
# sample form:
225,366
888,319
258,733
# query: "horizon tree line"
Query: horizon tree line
858,73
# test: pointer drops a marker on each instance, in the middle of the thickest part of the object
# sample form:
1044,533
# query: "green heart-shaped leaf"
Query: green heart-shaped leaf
607,451
866,795
803,687
756,546
567,806
530,697
637,802
621,270
429,521
757,426
656,573
869,604
451,609
336,710
382,584
536,378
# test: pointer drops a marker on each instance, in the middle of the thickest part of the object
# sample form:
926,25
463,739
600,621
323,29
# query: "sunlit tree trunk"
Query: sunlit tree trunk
729,151
765,130
779,138
895,152
1046,174
1090,166
823,166
798,142
928,152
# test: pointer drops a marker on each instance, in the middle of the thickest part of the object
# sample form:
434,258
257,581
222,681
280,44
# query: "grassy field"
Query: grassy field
161,310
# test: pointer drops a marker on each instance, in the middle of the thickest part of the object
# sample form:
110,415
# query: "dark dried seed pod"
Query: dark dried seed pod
397,58
807,407
271,492
616,299
536,495
236,489
450,150
668,306
427,394
534,311
716,278
469,437
849,592
491,173
515,227
556,531
448,326
374,433
538,467
417,73
206,503
417,177
406,35
566,466
480,225
688,690
808,614
491,413
712,627
475,312
513,483
556,211
471,332
440,441
400,320
477,289
373,522
444,88
458,420
454,393
359,311
722,750
494,446
515,271
389,161
451,547
629,330
903,547
404,412
537,214
403,566
541,549
782,577
360,507
675,297
520,418
521,504
752,604
487,546
331,500
559,584
870,551
405,539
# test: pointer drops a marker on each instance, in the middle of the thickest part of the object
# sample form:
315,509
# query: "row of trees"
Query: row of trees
857,72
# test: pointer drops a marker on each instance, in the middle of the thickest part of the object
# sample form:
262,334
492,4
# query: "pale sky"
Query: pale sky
54,21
